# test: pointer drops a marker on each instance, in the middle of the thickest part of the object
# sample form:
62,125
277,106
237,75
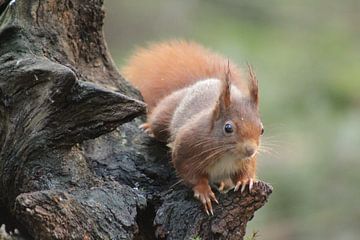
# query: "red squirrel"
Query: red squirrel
199,103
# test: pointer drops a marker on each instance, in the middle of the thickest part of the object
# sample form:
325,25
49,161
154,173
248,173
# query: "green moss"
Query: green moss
196,238
253,236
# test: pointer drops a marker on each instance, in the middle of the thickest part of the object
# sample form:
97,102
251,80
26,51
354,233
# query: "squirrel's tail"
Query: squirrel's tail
165,67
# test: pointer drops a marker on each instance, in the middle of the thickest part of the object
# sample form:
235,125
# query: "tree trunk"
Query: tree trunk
68,170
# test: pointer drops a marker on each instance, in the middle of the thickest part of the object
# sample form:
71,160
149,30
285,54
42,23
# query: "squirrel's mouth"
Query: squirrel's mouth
245,155
251,157
246,149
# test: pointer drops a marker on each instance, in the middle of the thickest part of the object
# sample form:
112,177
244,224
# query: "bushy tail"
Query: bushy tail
165,67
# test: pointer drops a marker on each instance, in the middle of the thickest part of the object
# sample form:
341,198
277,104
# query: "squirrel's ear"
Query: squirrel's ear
223,102
225,93
253,86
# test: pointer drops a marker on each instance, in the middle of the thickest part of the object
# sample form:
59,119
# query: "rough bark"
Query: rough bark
67,171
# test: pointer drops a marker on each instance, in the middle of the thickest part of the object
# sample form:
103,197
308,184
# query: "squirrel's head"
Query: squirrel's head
236,120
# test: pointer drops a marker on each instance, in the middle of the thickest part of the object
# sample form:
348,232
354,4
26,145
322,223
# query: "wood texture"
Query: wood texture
70,165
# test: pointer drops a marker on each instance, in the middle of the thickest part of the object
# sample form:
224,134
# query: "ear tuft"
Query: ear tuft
225,95
253,86
223,103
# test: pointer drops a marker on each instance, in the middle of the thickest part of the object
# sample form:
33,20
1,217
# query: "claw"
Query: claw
243,182
146,127
206,196
222,186
211,211
251,184
243,187
209,206
213,197
196,195
238,184
207,212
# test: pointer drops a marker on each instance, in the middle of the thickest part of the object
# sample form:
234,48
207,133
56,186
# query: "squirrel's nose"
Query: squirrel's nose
249,151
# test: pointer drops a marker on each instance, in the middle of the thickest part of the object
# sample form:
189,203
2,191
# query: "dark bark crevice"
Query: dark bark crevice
3,5
12,225
145,220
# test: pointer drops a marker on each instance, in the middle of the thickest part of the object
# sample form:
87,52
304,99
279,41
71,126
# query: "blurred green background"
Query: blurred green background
307,58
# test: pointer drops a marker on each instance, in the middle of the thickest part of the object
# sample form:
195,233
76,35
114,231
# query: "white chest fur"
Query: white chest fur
223,168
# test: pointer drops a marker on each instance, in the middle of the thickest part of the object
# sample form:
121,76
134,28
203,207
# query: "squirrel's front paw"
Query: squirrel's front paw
242,182
146,127
204,193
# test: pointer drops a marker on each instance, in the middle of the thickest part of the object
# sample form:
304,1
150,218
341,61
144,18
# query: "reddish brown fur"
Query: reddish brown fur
151,70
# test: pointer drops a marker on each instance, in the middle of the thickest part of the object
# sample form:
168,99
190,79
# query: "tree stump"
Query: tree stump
73,163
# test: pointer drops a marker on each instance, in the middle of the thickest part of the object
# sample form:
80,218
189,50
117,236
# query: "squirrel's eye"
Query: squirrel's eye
262,131
228,128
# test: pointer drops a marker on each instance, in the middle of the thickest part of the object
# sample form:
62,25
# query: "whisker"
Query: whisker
268,151
207,151
204,162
